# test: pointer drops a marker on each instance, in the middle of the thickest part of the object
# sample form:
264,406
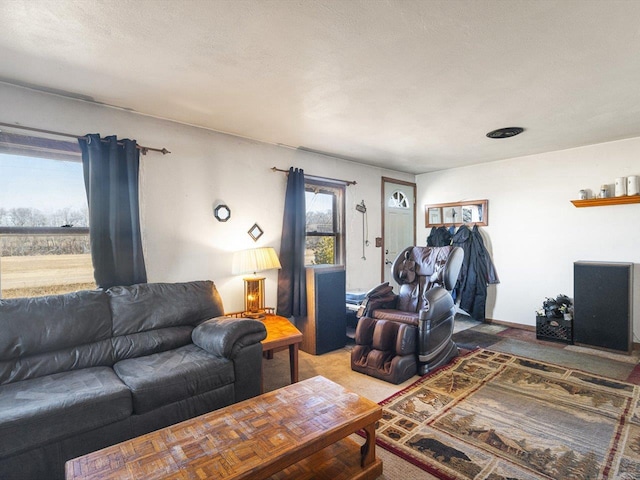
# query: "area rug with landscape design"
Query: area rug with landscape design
497,416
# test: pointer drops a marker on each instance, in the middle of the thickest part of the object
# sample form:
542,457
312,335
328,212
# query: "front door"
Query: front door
398,220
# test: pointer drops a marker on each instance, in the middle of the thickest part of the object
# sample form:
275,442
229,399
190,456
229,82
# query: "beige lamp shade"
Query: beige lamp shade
255,260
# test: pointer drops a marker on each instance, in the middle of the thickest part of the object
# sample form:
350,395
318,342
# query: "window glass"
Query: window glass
44,241
320,211
41,192
324,224
399,200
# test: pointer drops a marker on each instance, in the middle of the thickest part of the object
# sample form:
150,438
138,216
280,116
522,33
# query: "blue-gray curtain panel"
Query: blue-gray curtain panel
292,285
111,179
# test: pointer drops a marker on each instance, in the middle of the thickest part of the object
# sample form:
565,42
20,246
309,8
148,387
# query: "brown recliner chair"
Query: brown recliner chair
400,335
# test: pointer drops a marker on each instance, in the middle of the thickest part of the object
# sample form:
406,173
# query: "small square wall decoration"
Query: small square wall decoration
255,232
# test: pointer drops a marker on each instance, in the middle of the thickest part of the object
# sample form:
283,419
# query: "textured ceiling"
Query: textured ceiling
409,85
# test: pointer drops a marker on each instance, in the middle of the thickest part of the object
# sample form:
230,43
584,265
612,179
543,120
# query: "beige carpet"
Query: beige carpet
336,367
633,358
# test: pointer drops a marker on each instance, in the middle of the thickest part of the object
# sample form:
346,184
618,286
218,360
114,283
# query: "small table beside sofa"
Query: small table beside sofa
282,333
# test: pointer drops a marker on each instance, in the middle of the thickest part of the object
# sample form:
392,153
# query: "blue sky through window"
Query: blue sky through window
318,202
45,184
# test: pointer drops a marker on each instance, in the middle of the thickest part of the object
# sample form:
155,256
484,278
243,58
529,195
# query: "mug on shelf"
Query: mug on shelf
621,186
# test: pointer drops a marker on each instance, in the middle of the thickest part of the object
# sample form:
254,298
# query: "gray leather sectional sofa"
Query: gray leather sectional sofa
85,370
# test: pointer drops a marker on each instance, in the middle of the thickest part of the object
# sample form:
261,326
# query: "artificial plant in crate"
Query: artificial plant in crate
554,321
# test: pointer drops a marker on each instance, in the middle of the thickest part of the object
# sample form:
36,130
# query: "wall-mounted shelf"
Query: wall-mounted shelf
601,202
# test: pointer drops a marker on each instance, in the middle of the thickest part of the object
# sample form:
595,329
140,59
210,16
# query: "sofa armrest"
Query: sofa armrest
225,336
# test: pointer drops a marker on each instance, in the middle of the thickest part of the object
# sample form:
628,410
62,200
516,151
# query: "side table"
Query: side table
282,333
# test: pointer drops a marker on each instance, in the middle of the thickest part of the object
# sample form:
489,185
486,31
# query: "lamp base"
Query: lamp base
254,297
254,315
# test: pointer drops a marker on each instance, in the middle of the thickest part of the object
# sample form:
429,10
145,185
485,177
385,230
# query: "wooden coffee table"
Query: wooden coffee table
282,333
297,431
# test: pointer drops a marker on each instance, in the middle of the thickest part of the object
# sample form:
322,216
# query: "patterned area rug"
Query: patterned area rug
495,416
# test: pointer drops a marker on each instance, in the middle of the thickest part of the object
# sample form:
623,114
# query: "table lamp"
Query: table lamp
252,261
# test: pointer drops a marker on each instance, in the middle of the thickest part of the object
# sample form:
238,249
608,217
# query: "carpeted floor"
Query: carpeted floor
336,367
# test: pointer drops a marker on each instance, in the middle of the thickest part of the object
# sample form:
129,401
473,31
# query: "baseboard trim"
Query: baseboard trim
529,328
532,328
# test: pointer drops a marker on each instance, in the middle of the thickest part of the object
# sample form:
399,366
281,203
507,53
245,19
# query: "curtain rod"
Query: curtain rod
142,149
346,182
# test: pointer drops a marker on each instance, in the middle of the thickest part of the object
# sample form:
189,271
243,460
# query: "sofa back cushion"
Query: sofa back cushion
154,317
57,333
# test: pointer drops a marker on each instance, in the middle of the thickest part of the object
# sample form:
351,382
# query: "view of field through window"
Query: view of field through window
38,194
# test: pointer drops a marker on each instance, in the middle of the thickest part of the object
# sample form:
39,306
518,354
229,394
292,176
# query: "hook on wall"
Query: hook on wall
362,208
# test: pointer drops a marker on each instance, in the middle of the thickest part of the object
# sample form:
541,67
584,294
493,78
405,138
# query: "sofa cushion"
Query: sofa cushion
152,341
150,306
94,354
45,409
75,324
167,377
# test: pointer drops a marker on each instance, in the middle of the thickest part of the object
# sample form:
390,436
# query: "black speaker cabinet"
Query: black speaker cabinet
325,326
603,305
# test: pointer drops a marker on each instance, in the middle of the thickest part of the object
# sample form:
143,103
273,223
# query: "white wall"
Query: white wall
535,233
182,240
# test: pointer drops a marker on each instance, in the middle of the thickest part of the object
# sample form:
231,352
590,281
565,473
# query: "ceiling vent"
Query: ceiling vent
505,132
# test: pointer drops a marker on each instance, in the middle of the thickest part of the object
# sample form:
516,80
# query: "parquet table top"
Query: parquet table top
280,333
253,439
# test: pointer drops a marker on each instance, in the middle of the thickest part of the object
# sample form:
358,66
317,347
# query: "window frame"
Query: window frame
48,149
339,213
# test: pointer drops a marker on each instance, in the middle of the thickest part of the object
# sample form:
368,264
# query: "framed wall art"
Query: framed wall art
434,216
471,212
255,232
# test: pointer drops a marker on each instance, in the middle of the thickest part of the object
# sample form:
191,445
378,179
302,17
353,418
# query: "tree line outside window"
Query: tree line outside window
44,235
324,223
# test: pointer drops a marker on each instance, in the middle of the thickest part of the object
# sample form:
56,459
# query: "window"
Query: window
44,234
324,223
399,200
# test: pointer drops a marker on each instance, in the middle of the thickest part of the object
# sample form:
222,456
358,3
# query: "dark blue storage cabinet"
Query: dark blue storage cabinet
603,305
325,326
